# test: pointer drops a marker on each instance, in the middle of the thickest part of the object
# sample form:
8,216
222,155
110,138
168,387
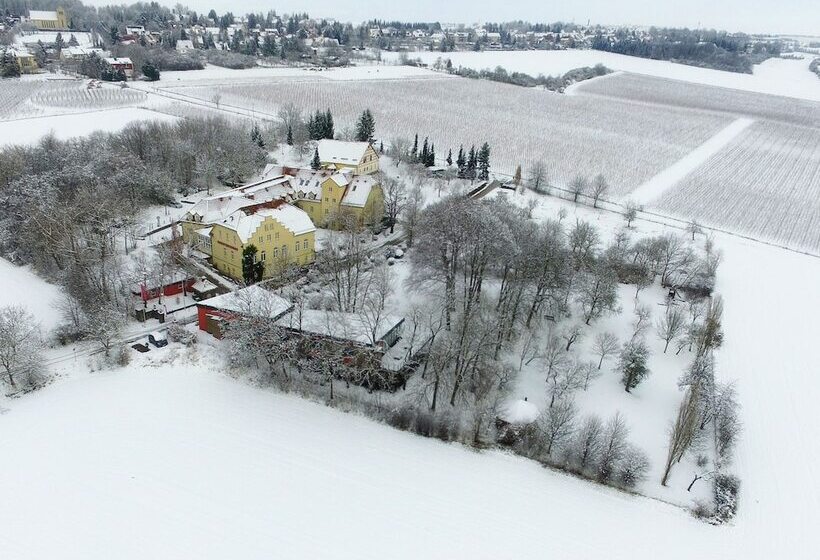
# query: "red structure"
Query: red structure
180,284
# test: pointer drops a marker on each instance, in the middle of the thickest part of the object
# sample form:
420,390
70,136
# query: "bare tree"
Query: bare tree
597,293
565,382
587,443
103,325
21,346
572,334
671,325
613,446
632,364
556,424
694,228
377,289
599,189
577,187
411,213
605,345
395,198
642,321
538,176
633,467
683,430
630,212
399,149
590,373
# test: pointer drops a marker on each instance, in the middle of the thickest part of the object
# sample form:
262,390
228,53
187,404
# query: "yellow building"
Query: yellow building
26,61
46,20
359,157
326,194
282,234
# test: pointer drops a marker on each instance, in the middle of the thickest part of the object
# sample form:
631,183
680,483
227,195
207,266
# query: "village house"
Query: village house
49,20
253,301
282,234
357,156
123,64
325,194
26,61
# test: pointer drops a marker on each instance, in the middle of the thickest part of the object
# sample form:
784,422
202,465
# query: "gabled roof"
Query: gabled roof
337,151
339,325
247,220
253,301
42,15
358,191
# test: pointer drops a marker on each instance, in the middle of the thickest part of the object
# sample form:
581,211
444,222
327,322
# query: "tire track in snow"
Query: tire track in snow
675,173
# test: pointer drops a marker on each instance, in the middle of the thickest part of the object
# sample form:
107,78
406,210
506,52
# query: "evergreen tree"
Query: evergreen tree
72,41
329,132
484,162
290,136
632,364
431,156
252,270
449,157
414,152
315,162
114,35
517,176
461,162
366,127
150,72
471,164
425,153
381,147
256,136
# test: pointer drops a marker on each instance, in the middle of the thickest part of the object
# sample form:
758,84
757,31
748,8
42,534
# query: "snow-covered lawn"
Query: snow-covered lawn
20,286
777,76
29,131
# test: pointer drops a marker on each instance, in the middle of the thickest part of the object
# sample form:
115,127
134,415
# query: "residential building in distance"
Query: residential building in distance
360,157
123,64
48,20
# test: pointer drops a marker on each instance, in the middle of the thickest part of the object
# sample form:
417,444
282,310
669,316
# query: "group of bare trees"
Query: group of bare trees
21,347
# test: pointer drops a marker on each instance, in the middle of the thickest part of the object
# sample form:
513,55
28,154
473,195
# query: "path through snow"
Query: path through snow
672,175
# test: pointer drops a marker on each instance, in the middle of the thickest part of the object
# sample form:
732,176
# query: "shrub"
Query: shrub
178,333
726,490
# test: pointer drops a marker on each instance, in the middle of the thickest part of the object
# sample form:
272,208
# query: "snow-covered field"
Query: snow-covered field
30,130
776,76
20,286
171,458
571,134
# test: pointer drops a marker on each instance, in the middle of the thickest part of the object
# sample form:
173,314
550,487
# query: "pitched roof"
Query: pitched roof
358,191
42,15
247,220
338,151
253,301
339,325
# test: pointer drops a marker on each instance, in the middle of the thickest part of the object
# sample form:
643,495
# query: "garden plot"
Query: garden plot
572,135
76,96
648,89
765,184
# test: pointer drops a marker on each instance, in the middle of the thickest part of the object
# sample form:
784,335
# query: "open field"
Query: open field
647,89
20,286
15,93
571,135
765,183
776,76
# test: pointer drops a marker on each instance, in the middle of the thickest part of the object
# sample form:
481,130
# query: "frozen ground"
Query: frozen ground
20,286
790,78
171,458
30,130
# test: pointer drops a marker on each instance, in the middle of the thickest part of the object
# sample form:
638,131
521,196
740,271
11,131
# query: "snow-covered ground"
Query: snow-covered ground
212,74
169,457
777,76
20,286
30,130
672,175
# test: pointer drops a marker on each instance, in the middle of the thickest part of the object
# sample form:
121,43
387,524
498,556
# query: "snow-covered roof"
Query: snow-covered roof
253,301
520,412
42,15
122,60
205,232
338,151
339,325
308,182
219,206
358,191
245,223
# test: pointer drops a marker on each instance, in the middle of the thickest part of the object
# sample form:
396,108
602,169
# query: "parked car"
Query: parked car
158,339
141,346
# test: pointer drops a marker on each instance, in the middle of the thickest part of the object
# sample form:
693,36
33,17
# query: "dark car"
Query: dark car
141,347
158,339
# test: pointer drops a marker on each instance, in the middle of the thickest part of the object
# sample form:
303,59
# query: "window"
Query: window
269,237
297,246
276,253
262,256
306,244
276,235
284,251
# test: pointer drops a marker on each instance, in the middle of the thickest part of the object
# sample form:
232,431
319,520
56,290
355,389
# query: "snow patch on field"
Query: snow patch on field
31,130
20,286
669,177
777,76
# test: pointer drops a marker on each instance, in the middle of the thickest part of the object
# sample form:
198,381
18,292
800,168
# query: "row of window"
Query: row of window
303,244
